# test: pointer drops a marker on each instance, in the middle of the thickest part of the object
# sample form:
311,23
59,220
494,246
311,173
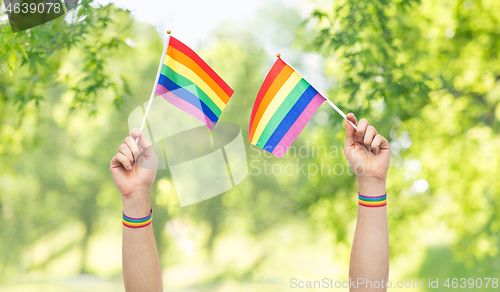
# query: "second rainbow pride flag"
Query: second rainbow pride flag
284,105
187,82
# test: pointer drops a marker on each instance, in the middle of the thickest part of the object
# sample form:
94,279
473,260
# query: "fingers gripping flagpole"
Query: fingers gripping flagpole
156,82
327,100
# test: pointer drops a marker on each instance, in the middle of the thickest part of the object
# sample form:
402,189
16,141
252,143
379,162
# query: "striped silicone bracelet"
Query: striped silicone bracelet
137,222
379,201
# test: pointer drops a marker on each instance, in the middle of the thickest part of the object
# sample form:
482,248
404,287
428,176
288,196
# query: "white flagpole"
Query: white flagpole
156,82
327,100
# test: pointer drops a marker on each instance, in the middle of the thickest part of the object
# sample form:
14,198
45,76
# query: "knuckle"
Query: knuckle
124,160
130,140
135,132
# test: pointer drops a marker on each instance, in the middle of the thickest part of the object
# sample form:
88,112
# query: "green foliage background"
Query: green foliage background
425,73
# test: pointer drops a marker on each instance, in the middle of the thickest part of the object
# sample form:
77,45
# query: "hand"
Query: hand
367,152
134,166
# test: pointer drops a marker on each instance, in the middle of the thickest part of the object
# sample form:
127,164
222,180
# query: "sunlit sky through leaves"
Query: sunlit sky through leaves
192,19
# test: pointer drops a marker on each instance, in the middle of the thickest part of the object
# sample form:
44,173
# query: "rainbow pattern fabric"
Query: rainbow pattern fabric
188,83
284,105
378,201
137,222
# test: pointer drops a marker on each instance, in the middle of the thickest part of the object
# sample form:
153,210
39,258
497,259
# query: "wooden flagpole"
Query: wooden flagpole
156,82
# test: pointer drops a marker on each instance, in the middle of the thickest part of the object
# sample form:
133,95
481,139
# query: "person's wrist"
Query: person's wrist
371,187
137,204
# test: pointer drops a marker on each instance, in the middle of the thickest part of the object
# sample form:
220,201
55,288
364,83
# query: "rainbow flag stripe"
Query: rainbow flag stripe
187,82
284,105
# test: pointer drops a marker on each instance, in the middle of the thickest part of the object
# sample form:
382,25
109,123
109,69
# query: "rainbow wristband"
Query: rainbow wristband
372,202
137,222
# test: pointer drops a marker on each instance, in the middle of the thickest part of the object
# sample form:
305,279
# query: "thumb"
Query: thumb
147,159
350,132
149,153
137,134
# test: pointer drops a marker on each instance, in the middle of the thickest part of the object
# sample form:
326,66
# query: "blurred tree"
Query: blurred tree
39,50
428,74
55,163
425,73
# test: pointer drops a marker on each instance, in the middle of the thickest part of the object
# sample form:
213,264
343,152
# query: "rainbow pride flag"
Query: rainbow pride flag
188,83
284,105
